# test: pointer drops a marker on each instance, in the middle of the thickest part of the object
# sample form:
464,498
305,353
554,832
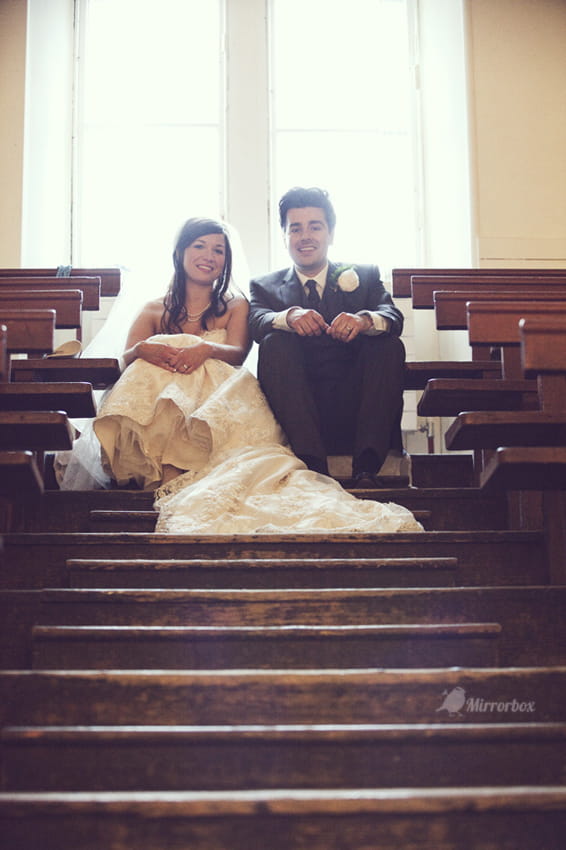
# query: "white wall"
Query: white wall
518,110
46,222
12,87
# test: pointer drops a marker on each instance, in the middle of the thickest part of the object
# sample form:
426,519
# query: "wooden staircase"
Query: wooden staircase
230,692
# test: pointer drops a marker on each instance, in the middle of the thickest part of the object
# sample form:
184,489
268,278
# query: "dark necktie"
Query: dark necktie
313,298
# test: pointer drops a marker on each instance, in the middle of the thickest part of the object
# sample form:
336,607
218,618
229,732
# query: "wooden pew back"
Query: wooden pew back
401,278
89,286
110,279
496,323
67,304
450,307
424,287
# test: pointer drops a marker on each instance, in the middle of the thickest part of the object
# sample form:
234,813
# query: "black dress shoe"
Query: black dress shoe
366,481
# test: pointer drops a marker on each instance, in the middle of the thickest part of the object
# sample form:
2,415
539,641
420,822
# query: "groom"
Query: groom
331,362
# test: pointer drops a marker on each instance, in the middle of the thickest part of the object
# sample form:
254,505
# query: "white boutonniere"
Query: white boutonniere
346,278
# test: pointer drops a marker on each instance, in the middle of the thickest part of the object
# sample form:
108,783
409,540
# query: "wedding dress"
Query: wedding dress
242,477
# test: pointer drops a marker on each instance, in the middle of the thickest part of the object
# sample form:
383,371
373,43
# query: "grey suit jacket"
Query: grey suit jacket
282,289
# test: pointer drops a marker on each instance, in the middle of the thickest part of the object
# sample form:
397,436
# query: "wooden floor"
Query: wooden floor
353,692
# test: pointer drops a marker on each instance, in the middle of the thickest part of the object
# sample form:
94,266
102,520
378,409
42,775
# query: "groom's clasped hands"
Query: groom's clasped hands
344,328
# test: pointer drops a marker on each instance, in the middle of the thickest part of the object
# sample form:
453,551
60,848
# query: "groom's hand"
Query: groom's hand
346,326
306,322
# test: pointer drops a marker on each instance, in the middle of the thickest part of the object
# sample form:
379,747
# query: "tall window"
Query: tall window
343,119
155,87
149,126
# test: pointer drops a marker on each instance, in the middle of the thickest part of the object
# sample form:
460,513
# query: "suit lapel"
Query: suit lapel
291,292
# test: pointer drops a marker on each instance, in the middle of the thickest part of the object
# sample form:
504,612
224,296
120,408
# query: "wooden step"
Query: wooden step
540,610
117,698
506,818
451,508
484,557
264,647
197,758
144,521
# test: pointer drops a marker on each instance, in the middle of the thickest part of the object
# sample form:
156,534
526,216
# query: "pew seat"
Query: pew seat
419,372
41,430
526,468
101,372
449,397
75,399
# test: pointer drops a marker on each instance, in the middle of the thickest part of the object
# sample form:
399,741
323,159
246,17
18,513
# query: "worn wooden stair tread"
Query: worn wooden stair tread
491,429
451,507
544,606
118,758
275,696
145,520
484,557
429,819
526,468
294,647
449,397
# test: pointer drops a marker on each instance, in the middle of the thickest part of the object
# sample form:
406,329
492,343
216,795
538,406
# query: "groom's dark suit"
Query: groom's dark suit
331,397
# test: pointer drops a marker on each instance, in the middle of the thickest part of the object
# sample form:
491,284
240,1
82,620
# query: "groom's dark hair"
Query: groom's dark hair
301,197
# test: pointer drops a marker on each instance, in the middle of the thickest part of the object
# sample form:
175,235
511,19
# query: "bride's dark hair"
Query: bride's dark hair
175,312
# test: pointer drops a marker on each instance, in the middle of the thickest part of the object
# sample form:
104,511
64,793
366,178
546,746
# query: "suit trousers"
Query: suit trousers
332,397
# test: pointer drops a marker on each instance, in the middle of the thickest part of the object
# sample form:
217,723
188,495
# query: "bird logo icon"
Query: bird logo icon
453,701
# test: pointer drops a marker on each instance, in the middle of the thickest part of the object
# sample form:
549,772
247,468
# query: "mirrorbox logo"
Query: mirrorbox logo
455,703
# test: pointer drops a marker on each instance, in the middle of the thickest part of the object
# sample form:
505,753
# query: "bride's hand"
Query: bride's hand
159,354
189,359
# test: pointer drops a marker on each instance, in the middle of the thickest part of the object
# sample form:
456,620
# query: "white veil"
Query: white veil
81,468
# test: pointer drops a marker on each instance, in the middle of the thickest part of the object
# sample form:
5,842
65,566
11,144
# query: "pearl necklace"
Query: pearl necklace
197,316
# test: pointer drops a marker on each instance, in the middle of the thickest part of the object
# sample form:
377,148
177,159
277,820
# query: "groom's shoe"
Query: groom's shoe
366,481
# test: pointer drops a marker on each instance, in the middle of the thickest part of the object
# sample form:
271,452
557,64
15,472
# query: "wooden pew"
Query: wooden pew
497,323
89,286
543,355
67,304
447,396
110,278
540,468
423,289
401,277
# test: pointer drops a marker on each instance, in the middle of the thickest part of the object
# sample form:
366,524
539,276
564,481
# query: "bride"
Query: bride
186,420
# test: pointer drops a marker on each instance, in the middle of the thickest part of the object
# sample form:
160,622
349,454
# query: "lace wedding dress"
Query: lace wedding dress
242,477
